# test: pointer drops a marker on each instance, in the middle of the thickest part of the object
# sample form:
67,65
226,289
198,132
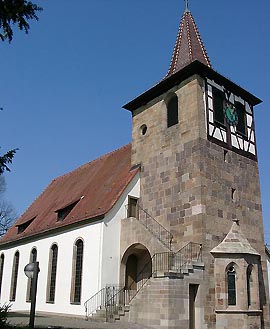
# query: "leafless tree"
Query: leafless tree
7,212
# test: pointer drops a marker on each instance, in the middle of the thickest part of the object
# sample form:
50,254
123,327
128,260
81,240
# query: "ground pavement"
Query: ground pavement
56,321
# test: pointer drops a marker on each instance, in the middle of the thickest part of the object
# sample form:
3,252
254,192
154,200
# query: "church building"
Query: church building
166,231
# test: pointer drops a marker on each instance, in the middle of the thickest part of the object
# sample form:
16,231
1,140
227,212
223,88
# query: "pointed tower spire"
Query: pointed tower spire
189,46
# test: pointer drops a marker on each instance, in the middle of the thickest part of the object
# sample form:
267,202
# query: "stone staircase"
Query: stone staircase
171,273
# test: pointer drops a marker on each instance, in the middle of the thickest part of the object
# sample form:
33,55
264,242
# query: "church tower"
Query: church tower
194,140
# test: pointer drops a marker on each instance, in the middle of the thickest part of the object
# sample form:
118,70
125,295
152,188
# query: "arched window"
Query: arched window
52,274
172,110
14,276
249,280
2,259
231,282
33,258
77,272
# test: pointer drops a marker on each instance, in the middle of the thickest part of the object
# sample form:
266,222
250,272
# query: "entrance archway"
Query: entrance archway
136,265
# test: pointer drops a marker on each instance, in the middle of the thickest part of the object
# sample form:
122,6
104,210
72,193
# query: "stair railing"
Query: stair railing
159,263
157,229
100,299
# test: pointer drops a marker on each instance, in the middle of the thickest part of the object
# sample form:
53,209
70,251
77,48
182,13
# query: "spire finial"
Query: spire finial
186,1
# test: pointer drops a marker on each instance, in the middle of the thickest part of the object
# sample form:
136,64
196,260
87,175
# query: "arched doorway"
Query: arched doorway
137,266
131,272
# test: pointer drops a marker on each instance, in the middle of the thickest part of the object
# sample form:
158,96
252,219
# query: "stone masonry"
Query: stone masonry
187,185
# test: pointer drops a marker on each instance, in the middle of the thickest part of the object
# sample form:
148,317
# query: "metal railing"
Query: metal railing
160,262
157,229
100,299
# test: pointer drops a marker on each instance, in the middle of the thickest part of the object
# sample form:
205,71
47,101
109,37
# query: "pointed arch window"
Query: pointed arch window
77,272
2,260
172,110
14,276
231,282
52,274
32,259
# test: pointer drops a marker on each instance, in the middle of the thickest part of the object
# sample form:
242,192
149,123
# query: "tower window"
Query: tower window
172,110
14,277
241,125
218,99
231,281
143,129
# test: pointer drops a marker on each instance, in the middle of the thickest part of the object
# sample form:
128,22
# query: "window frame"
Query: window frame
14,276
52,273
172,107
231,290
2,263
77,273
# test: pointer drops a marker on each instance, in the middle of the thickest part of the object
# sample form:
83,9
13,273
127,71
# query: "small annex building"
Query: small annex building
166,231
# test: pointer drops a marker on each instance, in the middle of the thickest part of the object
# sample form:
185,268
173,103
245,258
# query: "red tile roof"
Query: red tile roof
95,186
188,47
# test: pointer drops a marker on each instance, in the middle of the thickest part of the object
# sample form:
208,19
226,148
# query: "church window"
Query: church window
231,282
172,110
33,258
14,277
241,125
249,270
218,99
77,272
2,259
132,207
52,274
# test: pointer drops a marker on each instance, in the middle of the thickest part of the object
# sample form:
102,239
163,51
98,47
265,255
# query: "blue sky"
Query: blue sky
63,85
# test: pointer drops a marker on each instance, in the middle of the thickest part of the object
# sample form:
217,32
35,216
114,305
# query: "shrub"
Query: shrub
4,309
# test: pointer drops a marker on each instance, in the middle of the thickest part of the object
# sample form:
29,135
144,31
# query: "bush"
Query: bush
4,309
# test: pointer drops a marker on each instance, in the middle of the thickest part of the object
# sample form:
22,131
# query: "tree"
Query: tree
16,12
7,212
6,159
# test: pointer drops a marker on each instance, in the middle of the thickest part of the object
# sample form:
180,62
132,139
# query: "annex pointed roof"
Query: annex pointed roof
188,46
235,242
86,194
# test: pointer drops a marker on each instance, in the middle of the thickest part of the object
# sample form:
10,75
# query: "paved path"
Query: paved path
56,321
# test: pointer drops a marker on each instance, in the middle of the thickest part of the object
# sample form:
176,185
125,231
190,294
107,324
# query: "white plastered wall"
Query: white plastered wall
101,261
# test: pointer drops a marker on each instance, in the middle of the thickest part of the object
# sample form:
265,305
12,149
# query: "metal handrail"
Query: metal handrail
157,229
160,262
99,300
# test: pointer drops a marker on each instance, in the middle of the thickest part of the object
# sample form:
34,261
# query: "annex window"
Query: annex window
77,272
172,110
241,125
249,279
52,274
33,258
218,99
14,276
231,282
2,260
133,210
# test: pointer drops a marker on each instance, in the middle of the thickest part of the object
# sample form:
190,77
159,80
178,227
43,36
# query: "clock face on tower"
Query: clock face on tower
230,120
230,113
